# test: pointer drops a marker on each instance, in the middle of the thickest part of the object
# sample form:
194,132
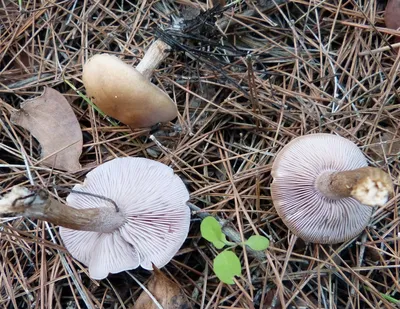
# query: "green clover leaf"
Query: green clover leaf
211,230
226,266
257,242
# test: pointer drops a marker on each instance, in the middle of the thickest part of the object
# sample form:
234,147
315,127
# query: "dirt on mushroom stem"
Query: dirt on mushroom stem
370,186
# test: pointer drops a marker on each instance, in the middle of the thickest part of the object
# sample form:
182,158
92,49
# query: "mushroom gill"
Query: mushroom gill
301,194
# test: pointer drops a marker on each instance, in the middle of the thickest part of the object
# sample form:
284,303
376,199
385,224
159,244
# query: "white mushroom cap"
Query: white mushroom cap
306,211
152,200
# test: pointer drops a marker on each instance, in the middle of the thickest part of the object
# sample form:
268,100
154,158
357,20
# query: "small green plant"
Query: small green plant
385,296
226,264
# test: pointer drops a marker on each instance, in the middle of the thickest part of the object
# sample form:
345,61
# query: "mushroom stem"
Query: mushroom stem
39,205
369,185
157,52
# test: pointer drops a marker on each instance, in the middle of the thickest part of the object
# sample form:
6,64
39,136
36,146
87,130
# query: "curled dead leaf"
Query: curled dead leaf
51,120
166,291
392,16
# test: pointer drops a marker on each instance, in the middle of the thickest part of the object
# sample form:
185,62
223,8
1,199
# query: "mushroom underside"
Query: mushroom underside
303,208
152,200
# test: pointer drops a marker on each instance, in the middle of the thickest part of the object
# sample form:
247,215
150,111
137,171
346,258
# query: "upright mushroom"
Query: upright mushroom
125,93
323,189
129,212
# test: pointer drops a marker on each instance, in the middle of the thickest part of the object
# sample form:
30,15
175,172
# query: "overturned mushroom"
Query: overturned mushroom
129,212
323,189
125,93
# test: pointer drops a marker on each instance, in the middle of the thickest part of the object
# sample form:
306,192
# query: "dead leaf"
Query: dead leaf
51,120
166,291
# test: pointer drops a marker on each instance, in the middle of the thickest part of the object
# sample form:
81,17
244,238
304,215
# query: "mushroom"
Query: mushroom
392,16
323,189
123,93
129,212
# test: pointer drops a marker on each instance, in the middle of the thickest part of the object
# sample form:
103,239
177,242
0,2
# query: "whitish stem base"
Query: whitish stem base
157,52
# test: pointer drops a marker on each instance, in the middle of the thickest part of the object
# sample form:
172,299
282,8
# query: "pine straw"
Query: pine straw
304,75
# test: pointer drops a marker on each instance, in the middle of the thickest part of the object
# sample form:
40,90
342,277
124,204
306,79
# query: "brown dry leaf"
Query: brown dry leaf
51,120
166,291
392,16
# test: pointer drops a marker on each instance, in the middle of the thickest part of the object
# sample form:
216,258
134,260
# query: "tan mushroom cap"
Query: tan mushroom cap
306,211
151,200
123,93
